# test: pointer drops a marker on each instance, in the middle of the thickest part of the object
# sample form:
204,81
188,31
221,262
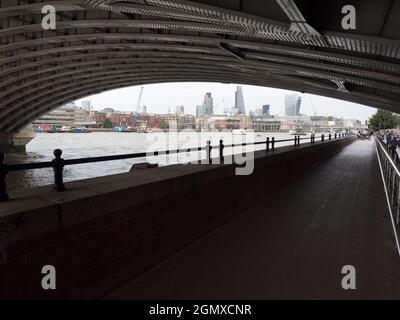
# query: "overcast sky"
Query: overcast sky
160,97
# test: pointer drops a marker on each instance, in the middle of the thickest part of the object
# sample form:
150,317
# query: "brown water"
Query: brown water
76,145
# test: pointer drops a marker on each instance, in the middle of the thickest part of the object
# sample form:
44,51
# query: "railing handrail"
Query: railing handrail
391,188
59,163
49,164
388,156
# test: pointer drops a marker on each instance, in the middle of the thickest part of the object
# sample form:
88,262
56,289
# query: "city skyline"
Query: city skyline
160,98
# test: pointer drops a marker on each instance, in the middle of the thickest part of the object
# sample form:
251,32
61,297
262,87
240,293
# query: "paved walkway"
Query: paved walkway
292,244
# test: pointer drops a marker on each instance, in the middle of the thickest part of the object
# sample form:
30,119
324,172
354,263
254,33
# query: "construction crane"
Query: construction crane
139,107
312,106
225,108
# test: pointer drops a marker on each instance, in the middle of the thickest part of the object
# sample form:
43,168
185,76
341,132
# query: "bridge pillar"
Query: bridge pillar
16,141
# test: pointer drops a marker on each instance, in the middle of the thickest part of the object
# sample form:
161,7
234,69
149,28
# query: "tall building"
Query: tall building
208,103
180,110
86,105
265,110
292,105
201,110
239,101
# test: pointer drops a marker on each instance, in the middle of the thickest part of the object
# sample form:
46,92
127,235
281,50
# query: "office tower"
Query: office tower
239,101
292,105
201,110
180,110
265,110
86,105
208,103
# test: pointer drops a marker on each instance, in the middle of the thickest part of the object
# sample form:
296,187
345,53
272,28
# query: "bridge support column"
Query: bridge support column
16,141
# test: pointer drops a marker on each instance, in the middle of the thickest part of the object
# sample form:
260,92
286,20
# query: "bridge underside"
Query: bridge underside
100,45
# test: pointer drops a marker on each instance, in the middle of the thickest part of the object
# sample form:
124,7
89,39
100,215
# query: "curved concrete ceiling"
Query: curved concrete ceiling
100,45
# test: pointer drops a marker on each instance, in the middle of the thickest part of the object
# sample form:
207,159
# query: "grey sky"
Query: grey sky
159,97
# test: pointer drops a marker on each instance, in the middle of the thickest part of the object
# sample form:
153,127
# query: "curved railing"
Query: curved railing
391,181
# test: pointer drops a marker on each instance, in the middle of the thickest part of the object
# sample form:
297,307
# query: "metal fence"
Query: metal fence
389,165
59,163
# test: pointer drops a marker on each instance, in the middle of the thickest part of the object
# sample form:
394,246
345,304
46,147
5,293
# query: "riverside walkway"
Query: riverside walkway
293,243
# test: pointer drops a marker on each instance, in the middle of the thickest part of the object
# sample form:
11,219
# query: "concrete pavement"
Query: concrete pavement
292,244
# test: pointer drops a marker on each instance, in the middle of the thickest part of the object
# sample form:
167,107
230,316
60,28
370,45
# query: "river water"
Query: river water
80,145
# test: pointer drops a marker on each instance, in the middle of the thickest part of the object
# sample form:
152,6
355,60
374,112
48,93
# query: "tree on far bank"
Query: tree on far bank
164,125
383,119
107,123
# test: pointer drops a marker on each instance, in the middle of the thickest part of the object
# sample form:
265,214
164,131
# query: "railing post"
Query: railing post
298,140
58,167
273,143
208,150
267,142
221,151
3,174
322,137
335,135
330,137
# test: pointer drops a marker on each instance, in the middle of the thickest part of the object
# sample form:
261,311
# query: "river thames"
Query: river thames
81,145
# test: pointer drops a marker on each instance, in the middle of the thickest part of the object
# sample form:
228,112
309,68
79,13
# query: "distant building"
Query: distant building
120,119
108,110
180,110
201,111
244,121
97,117
266,110
86,105
239,102
292,105
209,103
67,115
352,123
262,124
207,108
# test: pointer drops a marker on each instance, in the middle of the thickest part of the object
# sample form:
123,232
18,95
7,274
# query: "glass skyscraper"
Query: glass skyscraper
239,101
292,105
265,110
209,103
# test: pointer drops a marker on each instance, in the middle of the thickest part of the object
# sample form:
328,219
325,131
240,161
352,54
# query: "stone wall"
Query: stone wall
102,232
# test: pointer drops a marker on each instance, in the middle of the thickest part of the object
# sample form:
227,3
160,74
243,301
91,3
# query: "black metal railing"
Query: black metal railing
58,163
391,181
